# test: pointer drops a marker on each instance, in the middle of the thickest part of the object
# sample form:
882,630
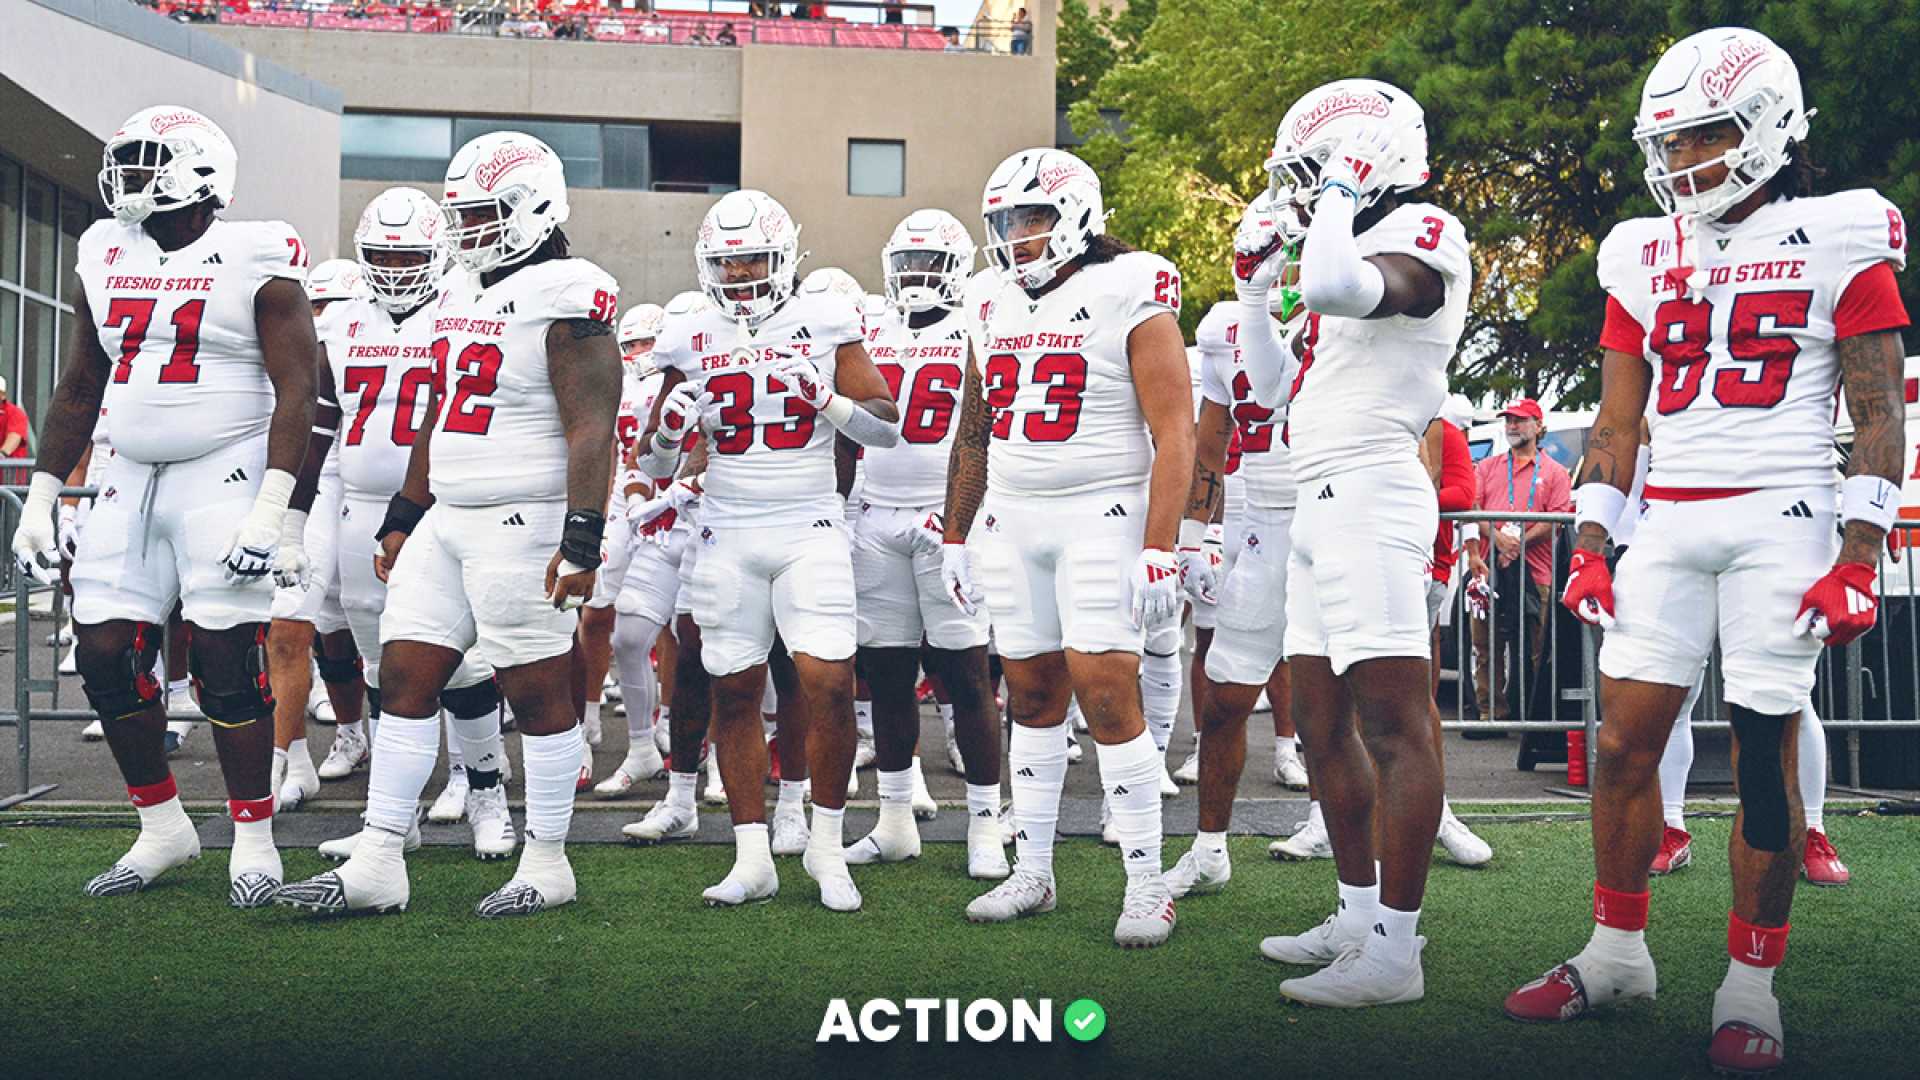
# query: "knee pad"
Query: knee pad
468,702
373,703
124,684
1763,779
348,669
234,700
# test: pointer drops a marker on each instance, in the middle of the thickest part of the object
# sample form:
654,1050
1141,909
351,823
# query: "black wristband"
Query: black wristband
403,514
580,538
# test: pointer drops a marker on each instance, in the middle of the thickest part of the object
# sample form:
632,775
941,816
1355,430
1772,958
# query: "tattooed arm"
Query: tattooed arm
1614,441
1208,492
1872,371
967,464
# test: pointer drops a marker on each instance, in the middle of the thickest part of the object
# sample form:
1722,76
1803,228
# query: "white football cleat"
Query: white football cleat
752,884
829,870
486,811
296,786
348,752
451,804
1025,893
1361,977
344,847
1109,835
583,779
986,855
924,807
1321,945
1189,770
1289,773
643,762
663,822
1074,753
62,634
153,853
1146,914
662,738
544,879
716,793
789,832
863,752
1199,872
176,737
853,782
70,662
320,705
253,875
1168,789
1009,832
375,879
1462,845
954,761
892,840
1310,842
610,689
94,731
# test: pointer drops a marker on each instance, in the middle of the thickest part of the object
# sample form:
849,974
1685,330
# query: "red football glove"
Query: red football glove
1589,592
1841,606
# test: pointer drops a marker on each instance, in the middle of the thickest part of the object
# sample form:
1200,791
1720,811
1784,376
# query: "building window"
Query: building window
40,227
877,167
398,149
632,157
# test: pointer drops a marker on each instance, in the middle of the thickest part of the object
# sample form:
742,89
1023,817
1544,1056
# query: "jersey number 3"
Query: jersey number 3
1763,353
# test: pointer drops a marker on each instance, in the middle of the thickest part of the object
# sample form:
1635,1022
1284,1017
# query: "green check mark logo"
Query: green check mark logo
1085,1019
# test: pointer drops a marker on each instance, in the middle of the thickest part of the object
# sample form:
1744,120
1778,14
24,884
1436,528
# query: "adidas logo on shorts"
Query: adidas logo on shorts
237,476
1325,492
516,519
1797,510
1028,773
1120,790
1116,510
823,523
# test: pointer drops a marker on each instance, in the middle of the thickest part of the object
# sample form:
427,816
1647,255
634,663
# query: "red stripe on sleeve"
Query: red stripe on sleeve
1870,303
1622,333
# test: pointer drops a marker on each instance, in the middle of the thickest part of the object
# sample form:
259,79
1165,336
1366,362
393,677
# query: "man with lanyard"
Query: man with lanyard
1521,554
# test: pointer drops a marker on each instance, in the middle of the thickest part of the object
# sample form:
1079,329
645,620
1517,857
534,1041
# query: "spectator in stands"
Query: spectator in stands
1022,33
951,34
892,13
763,9
1527,481
725,36
16,440
699,36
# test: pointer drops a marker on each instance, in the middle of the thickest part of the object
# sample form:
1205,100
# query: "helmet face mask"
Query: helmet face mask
165,158
1040,195
747,255
505,194
398,245
926,263
639,332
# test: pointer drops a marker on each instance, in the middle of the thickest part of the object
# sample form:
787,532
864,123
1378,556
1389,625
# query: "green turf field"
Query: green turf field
640,979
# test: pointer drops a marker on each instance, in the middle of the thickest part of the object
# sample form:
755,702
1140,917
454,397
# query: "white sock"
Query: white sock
982,799
946,720
1315,818
896,797
300,760
252,843
1749,977
1210,841
482,750
752,846
1130,773
592,714
167,817
863,718
824,835
1358,910
180,687
793,794
402,763
354,729
1813,768
1627,948
552,762
666,716
1394,931
1160,695
633,639
680,788
456,757
1286,746
1038,760
1675,763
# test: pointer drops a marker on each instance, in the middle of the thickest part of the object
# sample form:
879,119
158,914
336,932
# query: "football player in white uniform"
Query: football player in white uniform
1386,282
772,375
495,534
919,344
1730,324
308,623
1076,425
201,345
1245,655
633,631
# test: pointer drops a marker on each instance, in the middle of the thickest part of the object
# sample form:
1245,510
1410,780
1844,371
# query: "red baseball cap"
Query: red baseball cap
1526,407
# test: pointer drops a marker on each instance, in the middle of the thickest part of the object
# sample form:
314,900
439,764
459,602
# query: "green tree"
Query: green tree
1091,42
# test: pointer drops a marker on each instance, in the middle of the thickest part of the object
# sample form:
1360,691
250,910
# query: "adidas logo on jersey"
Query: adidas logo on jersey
1797,510
802,334
1116,510
212,260
516,519
1796,238
237,476
1325,492
1081,316
506,308
823,523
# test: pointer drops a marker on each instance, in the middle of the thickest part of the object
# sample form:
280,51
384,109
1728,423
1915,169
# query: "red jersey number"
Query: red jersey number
478,366
927,413
1064,375
136,315
1253,422
736,391
1764,353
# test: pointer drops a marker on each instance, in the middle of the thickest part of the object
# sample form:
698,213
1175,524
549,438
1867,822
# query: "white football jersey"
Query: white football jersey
924,369
636,404
1264,463
770,459
1058,379
188,377
1744,375
498,437
383,379
1367,388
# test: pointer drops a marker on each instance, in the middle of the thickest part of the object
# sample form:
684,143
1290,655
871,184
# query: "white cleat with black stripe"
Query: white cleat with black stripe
374,879
543,880
154,853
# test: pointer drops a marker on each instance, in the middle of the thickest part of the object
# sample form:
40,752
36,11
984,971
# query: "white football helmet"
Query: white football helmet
514,191
639,329
1728,73
1034,187
1317,124
742,227
164,158
835,280
927,261
404,222
336,279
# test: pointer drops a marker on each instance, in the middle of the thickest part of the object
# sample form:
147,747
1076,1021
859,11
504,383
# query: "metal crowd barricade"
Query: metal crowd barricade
23,713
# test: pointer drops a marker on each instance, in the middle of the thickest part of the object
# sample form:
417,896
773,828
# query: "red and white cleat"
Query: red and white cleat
1747,1034
1676,851
1821,865
1568,992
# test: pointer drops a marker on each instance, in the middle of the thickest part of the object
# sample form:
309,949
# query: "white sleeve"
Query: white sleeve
1269,363
1334,278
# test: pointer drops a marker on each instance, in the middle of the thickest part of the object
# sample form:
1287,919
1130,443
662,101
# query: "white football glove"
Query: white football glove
957,575
654,518
681,412
36,545
290,563
805,380
929,536
249,556
69,531
1359,162
1260,254
1154,588
1201,558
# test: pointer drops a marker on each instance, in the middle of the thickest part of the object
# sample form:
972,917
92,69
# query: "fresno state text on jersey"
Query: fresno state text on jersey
1264,466
1744,373
498,437
1367,388
382,375
178,327
924,370
1058,380
770,457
